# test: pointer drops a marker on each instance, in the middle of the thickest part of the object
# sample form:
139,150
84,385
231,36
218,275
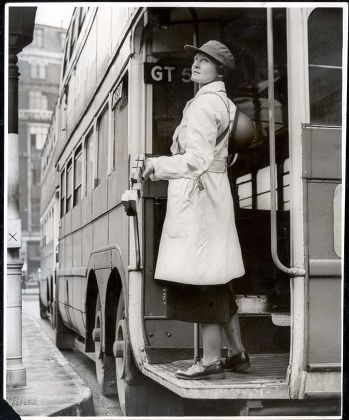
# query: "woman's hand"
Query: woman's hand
148,170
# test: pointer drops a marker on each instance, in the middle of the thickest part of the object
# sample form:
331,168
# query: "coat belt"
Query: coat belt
218,165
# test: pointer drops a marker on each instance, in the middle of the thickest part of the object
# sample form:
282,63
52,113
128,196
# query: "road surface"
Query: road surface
81,364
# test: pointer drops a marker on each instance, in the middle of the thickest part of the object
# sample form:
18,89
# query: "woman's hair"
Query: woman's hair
220,69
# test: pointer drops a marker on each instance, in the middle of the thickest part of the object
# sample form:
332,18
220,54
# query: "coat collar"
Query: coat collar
211,87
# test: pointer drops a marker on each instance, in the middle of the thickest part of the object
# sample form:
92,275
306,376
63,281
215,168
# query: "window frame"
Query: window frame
89,139
77,187
105,111
62,192
69,171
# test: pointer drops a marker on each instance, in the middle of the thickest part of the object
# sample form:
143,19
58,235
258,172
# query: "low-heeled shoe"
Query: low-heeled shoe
199,371
237,363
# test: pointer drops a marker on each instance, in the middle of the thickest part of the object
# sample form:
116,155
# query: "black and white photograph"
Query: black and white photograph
173,210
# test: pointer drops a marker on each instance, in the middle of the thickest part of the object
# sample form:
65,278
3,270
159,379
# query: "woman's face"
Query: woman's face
203,70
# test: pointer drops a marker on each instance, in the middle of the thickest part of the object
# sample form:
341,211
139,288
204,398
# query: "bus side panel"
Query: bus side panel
77,248
100,232
76,216
324,320
322,170
87,244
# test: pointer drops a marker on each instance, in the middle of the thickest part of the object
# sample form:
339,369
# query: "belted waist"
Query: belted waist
218,165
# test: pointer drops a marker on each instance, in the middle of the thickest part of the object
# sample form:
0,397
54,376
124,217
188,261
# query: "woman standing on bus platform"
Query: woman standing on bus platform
199,251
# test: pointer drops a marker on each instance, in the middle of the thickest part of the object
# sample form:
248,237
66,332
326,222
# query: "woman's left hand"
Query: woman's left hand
148,170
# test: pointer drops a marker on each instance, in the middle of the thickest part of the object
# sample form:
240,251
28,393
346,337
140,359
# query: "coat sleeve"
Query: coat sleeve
201,134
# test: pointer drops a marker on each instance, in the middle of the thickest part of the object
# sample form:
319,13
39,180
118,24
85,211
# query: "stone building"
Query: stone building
40,70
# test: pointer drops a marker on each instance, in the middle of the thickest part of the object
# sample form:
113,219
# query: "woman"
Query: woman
199,251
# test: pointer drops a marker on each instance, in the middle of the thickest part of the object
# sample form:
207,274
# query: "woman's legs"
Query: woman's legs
232,330
212,342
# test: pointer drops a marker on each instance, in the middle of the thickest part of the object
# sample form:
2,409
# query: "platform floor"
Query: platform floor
265,378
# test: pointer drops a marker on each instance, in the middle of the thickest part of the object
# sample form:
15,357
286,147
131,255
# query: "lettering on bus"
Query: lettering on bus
165,73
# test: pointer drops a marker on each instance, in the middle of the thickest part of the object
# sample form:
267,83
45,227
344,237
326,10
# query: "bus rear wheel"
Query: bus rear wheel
105,364
43,310
138,395
128,378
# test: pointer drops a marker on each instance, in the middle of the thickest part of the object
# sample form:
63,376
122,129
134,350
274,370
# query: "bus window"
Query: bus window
102,159
62,192
69,186
244,185
120,102
325,66
169,97
89,161
77,176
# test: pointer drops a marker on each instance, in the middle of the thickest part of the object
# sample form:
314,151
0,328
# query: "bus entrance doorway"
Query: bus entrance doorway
263,293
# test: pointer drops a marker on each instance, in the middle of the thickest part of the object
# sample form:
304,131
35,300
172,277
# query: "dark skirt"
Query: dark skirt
203,304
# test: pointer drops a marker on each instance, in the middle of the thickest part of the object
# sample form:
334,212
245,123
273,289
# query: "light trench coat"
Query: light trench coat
199,243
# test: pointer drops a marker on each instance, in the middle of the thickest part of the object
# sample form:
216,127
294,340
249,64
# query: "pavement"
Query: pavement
53,387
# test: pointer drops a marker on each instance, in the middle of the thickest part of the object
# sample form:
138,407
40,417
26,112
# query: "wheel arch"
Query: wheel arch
114,288
90,306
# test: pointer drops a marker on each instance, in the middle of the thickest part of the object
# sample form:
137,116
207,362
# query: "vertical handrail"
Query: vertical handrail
196,88
292,271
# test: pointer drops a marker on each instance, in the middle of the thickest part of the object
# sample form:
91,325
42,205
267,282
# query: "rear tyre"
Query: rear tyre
138,395
125,369
105,363
43,310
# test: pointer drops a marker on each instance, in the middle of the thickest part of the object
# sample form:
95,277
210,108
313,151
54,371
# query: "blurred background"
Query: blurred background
40,68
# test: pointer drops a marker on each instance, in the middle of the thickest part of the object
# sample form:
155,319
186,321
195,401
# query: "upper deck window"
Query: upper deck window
120,101
325,66
89,161
63,193
77,175
69,186
72,39
103,130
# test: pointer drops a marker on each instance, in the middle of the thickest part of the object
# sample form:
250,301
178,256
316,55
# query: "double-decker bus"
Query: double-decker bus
125,81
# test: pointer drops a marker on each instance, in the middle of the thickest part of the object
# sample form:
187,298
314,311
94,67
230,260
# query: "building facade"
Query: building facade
40,69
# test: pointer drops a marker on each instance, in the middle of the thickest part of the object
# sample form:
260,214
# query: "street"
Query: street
80,363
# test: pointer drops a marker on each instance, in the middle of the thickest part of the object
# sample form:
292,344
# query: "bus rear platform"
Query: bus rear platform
266,378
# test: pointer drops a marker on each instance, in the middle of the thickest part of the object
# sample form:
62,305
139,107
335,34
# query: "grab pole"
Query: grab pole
292,271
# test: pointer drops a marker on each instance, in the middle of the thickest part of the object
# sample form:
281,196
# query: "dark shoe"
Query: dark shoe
237,363
199,371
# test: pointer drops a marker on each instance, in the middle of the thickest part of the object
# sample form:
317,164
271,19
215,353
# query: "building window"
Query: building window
62,37
38,38
89,161
37,100
69,186
77,175
62,192
38,134
102,160
36,176
38,71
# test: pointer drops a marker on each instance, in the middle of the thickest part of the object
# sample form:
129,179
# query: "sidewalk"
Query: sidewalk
53,387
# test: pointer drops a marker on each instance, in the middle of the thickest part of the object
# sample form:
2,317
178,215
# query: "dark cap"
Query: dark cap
217,51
